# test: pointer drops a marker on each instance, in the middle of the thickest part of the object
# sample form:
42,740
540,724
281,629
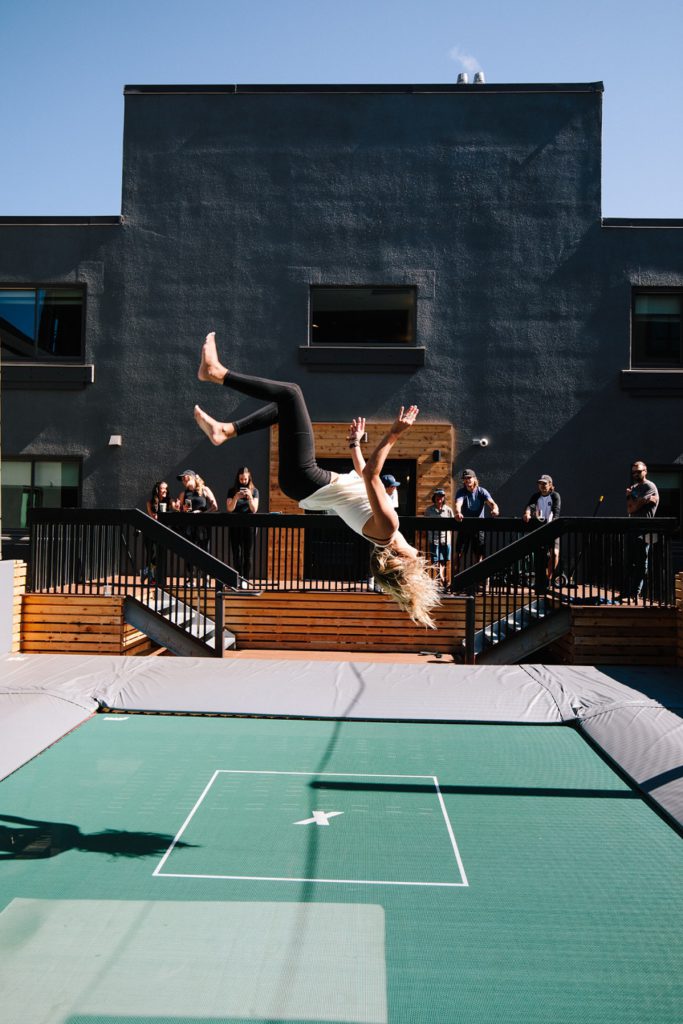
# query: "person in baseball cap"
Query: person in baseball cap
544,506
390,486
471,502
439,540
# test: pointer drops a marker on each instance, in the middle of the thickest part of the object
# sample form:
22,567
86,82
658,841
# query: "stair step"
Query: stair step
186,618
514,623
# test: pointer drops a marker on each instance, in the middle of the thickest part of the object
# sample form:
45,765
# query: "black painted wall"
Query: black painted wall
236,200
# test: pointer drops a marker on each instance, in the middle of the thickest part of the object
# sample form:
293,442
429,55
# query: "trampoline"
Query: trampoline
161,863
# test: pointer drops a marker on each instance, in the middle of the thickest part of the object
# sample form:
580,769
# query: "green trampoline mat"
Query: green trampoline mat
206,870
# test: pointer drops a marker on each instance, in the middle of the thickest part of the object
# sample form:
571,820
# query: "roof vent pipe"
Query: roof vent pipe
479,78
463,78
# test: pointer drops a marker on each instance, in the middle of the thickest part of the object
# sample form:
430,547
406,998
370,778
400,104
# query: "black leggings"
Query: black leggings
298,472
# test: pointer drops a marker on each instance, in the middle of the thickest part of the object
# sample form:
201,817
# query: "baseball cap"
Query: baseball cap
390,481
468,473
545,479
186,472
438,491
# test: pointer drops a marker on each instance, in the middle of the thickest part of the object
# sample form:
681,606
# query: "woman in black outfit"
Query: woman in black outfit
359,497
243,498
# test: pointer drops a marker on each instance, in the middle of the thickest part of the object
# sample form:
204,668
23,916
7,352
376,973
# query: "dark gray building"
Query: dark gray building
380,245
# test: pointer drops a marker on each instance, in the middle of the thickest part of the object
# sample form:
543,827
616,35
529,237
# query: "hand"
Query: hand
356,429
527,516
405,419
459,516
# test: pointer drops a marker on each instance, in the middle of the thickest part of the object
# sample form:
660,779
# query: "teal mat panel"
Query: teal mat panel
572,911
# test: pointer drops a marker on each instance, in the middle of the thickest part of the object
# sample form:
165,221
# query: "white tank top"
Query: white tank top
347,497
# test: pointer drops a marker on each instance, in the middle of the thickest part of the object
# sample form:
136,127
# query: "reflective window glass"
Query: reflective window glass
657,335
42,483
41,323
382,315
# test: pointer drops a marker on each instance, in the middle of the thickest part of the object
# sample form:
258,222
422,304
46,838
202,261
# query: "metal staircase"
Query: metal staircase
174,624
522,632
173,589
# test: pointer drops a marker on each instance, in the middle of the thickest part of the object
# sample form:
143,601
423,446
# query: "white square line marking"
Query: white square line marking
463,883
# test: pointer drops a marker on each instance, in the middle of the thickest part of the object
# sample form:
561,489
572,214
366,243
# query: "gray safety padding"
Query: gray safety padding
634,714
31,722
326,689
646,741
42,697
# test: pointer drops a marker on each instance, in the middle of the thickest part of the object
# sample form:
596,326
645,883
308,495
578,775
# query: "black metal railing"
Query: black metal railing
127,553
196,560
318,552
568,561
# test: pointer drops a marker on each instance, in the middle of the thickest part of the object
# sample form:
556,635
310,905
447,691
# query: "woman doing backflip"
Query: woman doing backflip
359,498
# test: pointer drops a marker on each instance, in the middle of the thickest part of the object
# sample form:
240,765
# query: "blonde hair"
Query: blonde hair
408,582
200,485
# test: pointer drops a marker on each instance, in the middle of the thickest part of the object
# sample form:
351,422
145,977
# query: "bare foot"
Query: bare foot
210,368
216,432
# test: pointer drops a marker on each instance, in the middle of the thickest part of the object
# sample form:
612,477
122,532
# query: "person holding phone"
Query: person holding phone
243,499
196,497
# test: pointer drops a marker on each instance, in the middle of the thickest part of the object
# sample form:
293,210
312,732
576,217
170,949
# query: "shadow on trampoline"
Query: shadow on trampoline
391,787
34,840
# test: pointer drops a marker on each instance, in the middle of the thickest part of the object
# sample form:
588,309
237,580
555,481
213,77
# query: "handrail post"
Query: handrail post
219,619
470,629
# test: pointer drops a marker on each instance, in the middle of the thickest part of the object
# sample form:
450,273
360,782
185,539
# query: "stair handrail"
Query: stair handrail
541,535
137,538
509,609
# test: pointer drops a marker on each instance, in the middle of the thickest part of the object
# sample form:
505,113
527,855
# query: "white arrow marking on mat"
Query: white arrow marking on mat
319,818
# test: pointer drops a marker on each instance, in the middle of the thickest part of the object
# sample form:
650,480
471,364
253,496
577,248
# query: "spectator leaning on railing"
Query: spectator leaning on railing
439,540
471,502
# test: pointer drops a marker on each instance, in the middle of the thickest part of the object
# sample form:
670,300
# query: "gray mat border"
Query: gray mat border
632,716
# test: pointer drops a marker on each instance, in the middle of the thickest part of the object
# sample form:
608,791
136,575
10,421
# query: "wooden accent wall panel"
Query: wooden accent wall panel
72,624
80,624
619,636
317,621
418,443
18,590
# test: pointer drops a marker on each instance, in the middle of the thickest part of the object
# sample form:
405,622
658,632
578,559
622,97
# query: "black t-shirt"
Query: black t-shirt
199,502
242,503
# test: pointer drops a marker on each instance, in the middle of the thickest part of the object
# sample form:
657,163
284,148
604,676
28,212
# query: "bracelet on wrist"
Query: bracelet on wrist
354,444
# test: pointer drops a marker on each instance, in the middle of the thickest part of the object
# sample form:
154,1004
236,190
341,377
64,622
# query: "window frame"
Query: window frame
33,459
364,357
402,289
654,365
41,357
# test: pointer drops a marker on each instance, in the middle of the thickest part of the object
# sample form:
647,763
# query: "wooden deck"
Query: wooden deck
353,624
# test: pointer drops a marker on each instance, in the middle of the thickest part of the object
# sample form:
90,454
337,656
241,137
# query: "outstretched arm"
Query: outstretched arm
353,436
384,520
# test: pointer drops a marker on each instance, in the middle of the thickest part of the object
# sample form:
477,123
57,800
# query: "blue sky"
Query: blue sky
65,63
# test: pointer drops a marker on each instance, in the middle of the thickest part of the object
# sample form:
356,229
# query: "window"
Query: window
362,316
37,483
656,330
41,324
